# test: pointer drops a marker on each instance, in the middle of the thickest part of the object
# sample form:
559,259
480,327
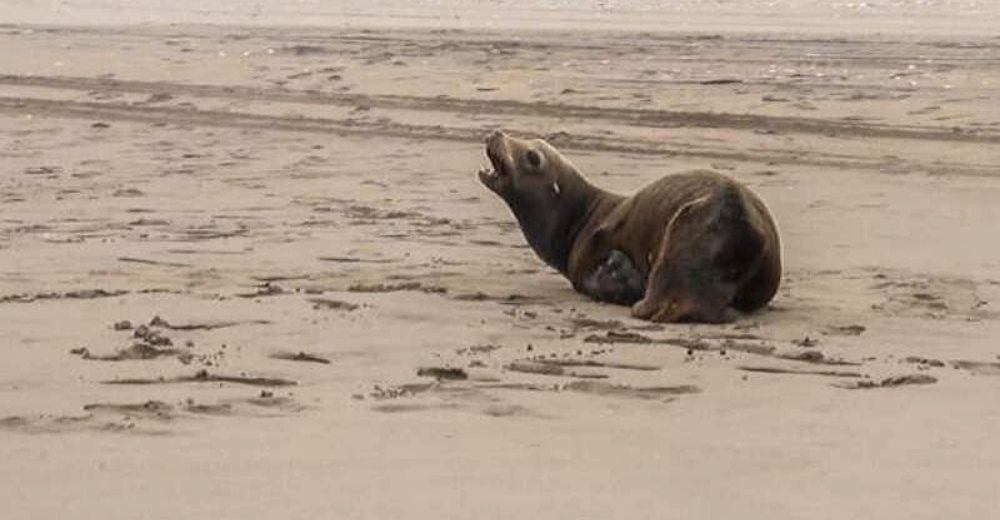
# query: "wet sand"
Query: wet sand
247,271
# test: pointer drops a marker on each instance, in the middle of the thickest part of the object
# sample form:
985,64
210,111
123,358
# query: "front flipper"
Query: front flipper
616,280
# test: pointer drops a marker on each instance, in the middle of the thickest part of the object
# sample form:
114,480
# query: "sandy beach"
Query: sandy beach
247,271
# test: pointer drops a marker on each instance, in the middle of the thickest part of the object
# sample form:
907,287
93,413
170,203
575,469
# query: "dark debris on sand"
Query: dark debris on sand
889,382
443,373
301,357
203,376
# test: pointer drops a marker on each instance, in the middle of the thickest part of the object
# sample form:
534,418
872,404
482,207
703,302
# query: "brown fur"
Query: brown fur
703,244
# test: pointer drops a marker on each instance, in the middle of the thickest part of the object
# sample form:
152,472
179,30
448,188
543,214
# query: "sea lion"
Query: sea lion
695,246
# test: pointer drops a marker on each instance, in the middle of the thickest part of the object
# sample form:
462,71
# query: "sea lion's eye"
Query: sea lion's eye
534,158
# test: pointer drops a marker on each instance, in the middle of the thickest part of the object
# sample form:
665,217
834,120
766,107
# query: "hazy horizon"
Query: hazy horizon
967,17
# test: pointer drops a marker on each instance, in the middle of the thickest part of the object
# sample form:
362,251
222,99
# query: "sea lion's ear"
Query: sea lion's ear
534,158
555,189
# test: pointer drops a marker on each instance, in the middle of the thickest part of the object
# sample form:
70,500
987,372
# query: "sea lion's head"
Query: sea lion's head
523,169
540,186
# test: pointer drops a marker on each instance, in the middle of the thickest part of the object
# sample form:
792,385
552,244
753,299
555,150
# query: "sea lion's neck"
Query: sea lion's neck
551,224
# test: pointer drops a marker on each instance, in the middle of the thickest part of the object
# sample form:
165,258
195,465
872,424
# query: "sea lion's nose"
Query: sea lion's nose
495,135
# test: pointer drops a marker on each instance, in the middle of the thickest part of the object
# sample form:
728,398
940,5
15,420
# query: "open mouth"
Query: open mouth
491,175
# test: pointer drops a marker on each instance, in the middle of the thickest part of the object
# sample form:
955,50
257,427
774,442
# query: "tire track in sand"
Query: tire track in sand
637,117
593,143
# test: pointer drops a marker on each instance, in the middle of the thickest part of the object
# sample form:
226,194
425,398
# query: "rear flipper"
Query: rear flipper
616,280
709,251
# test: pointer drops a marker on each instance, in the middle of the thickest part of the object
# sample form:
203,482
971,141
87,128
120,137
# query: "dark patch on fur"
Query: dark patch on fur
616,280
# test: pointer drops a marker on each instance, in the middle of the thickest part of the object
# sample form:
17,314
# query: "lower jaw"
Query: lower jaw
489,180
